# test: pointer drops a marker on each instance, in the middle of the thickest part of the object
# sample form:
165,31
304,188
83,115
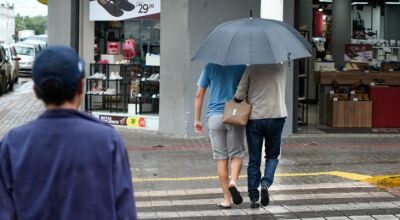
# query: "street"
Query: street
326,176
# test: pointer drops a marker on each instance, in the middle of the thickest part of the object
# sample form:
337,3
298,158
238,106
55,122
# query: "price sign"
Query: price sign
102,10
135,122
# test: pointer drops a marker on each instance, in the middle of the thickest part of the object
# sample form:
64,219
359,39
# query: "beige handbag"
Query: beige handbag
237,113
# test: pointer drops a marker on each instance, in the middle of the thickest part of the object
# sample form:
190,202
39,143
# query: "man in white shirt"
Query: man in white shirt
264,87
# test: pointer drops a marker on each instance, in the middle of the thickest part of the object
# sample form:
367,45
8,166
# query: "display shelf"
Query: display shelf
154,103
351,77
303,84
117,102
134,87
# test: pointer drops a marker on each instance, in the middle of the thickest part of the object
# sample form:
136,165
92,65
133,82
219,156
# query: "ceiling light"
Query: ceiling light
330,1
393,3
359,3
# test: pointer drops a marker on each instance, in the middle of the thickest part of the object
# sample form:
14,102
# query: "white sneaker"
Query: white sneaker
110,91
112,76
117,76
94,76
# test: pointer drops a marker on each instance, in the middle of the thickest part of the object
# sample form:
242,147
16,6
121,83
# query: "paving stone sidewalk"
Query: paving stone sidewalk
175,178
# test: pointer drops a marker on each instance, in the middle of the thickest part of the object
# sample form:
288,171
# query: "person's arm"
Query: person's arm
202,85
125,203
243,87
198,104
7,208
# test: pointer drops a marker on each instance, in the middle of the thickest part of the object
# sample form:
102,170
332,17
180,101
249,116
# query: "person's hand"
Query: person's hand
198,127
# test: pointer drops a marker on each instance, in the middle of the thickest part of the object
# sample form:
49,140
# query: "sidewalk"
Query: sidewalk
324,176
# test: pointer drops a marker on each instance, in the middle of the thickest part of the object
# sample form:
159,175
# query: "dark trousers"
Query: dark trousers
256,131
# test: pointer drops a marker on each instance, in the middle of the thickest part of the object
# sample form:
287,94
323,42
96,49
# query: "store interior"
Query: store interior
351,84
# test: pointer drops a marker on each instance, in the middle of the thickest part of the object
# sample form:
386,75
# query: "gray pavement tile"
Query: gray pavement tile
303,215
263,217
192,218
211,213
337,218
385,217
277,209
167,214
145,209
393,211
147,215
189,213
377,212
361,217
286,216
313,218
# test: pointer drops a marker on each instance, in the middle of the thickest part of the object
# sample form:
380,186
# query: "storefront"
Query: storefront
155,89
351,83
123,84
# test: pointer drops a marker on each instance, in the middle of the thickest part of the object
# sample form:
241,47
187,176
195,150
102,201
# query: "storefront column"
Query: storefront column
341,29
86,34
184,24
63,22
305,17
288,17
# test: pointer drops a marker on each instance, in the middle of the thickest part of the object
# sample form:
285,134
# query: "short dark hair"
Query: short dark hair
54,92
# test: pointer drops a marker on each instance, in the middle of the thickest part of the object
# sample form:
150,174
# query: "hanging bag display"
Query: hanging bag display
358,27
236,113
128,51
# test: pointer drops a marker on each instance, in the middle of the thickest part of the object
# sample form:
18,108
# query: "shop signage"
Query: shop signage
115,10
123,121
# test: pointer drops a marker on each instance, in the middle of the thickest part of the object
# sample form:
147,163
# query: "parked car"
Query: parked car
40,44
13,59
27,53
41,37
5,71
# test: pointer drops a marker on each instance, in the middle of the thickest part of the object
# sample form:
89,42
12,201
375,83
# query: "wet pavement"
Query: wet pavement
324,176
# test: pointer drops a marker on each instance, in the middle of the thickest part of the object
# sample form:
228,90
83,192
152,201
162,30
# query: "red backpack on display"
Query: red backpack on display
128,50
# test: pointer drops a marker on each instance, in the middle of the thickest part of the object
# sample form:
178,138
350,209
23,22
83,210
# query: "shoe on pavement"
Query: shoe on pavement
264,196
236,197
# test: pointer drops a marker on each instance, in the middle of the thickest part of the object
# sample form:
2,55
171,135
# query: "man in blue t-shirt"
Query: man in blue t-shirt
227,140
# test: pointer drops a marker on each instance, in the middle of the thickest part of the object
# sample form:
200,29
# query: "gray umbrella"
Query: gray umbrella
252,41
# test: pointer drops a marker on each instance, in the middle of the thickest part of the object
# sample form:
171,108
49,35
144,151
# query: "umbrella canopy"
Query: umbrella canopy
252,41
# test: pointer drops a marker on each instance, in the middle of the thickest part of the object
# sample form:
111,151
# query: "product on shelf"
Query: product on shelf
115,76
110,91
154,77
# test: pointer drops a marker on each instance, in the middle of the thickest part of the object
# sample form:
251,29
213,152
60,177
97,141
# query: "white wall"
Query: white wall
366,16
7,24
272,9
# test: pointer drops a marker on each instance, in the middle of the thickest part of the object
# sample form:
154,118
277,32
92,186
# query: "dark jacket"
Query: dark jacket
65,166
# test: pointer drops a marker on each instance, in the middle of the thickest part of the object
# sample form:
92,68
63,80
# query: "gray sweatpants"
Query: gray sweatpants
227,141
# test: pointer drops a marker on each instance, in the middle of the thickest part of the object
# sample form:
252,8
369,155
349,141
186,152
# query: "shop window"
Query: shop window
125,75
